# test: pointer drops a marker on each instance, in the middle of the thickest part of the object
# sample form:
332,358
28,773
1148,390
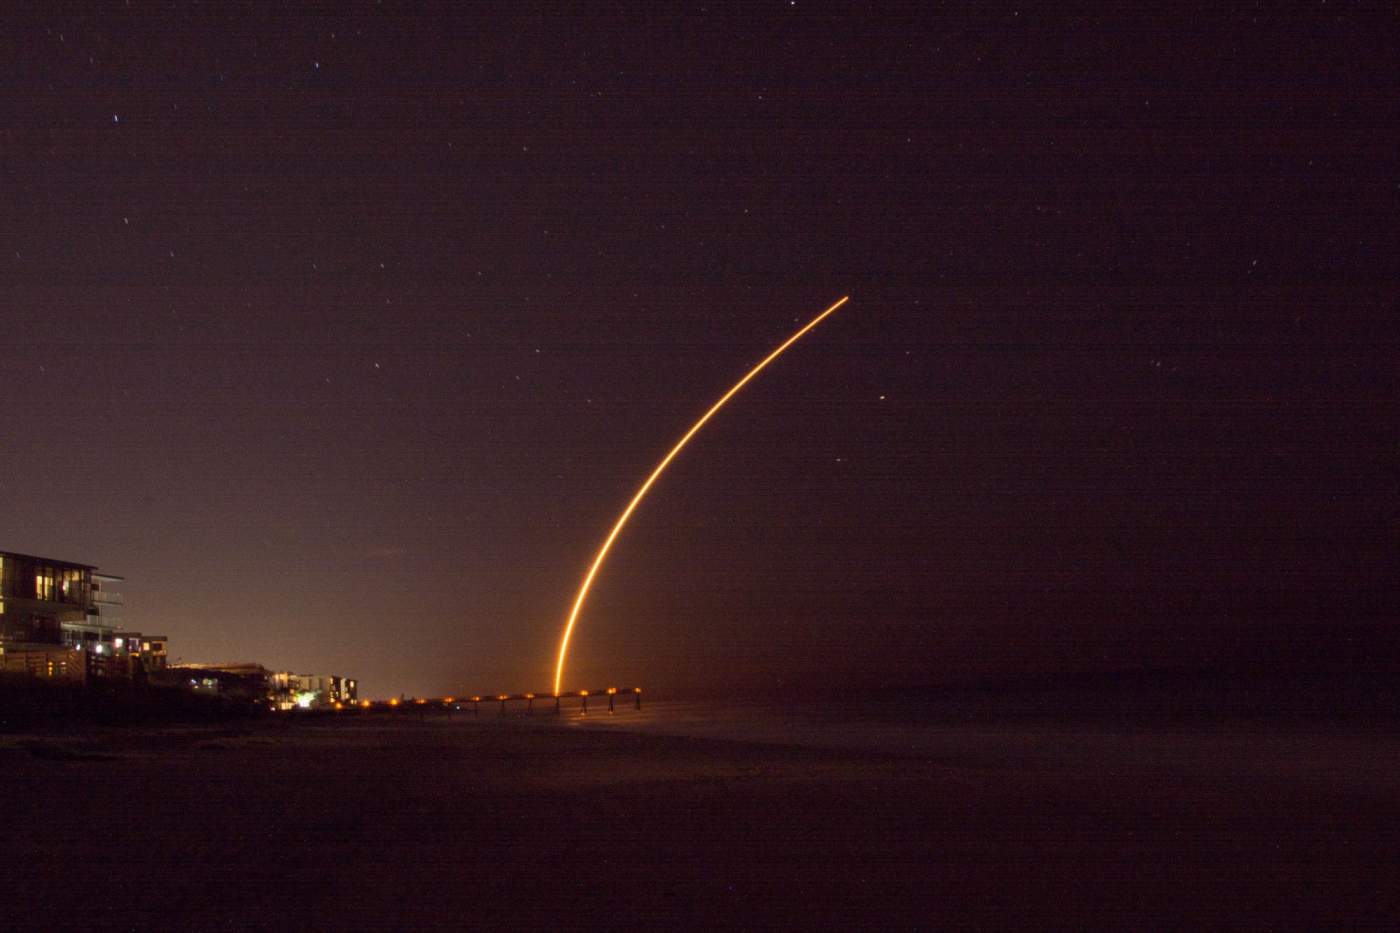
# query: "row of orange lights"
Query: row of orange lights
422,701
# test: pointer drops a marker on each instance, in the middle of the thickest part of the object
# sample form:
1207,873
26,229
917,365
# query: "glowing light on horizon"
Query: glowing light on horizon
660,467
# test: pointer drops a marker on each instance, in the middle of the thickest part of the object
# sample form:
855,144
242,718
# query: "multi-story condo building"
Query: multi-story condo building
38,596
64,620
97,630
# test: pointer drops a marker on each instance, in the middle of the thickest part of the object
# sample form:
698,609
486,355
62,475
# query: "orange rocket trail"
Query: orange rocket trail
660,467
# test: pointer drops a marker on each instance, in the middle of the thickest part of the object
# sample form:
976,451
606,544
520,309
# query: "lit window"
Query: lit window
43,587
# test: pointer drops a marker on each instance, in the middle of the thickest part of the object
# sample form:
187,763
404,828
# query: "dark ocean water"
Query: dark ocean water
807,723
1232,747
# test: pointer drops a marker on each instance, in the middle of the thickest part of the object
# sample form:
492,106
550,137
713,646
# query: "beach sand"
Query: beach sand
405,823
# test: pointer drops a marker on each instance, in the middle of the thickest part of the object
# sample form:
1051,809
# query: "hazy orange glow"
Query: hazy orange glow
631,506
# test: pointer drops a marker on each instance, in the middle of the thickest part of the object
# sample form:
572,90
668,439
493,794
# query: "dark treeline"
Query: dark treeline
27,704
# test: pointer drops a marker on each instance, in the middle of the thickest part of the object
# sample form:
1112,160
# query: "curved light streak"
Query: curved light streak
665,461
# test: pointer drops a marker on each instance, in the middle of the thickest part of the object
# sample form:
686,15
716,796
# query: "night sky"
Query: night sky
344,331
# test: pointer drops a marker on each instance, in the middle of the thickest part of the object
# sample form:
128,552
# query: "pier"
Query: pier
553,702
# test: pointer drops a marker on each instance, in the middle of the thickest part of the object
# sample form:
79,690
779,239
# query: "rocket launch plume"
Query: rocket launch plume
660,467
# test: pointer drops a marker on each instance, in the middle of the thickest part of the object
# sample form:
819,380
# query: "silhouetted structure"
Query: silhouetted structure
243,682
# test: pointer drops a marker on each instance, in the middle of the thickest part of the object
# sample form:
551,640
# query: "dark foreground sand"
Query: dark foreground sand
376,823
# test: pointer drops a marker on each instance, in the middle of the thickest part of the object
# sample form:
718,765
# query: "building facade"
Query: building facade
38,596
97,630
311,691
63,621
244,682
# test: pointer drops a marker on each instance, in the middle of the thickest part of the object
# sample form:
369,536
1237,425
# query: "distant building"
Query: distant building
311,691
147,653
245,682
281,690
